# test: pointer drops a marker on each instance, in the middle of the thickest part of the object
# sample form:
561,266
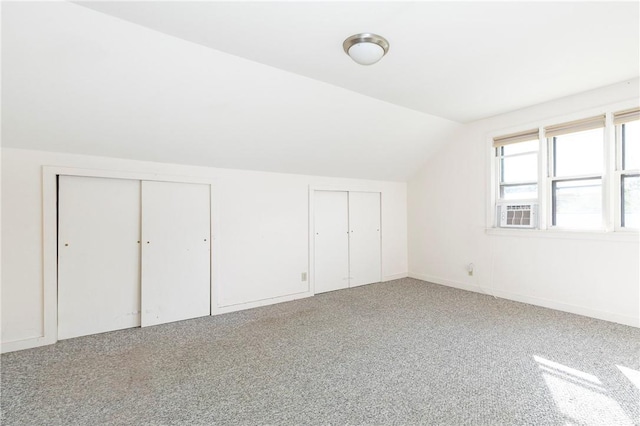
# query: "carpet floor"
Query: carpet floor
405,352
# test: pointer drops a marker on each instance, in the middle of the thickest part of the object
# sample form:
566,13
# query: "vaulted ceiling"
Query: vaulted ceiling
458,60
266,85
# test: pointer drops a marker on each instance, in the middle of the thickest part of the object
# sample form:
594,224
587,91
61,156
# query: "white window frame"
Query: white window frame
551,179
499,174
611,180
618,173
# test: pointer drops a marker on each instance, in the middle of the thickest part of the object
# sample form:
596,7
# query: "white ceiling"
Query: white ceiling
266,86
458,60
78,81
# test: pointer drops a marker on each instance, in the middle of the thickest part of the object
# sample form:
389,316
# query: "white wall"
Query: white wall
590,274
262,233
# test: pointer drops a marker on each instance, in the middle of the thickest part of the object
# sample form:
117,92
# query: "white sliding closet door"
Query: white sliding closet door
98,255
331,241
364,241
176,237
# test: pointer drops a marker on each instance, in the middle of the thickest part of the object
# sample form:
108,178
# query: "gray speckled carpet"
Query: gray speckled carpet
402,352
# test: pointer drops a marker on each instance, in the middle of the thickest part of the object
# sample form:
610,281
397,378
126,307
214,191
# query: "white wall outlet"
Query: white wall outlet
303,276
470,269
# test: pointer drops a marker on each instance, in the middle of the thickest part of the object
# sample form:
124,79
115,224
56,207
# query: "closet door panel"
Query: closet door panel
176,245
98,255
331,241
364,234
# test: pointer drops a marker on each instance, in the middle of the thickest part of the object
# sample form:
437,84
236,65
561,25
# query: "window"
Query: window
574,180
517,157
576,168
628,166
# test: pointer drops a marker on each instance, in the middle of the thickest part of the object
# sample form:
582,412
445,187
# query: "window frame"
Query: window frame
495,182
499,159
611,179
618,176
552,179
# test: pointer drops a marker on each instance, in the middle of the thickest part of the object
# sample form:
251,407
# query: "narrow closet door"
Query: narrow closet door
98,255
364,243
176,281
331,241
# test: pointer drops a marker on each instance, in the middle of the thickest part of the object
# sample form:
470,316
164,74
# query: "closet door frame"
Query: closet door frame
50,236
340,188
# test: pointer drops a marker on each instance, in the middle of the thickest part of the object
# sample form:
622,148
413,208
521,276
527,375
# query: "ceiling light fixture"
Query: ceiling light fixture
366,48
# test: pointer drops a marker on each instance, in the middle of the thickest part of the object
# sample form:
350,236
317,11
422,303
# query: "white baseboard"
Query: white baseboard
394,277
533,300
546,303
256,304
448,283
18,345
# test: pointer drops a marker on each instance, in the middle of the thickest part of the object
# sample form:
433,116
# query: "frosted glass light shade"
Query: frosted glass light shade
366,53
366,48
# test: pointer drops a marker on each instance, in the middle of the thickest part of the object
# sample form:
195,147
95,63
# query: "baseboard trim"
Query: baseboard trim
18,345
258,303
448,283
533,300
394,277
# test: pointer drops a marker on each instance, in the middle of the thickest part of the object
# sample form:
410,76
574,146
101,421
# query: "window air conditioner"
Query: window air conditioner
518,215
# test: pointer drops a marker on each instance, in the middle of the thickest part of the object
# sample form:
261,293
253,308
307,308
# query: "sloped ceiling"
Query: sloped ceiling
458,60
79,81
266,86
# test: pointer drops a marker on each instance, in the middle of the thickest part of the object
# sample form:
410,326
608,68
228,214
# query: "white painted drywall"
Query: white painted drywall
446,58
262,237
79,81
447,205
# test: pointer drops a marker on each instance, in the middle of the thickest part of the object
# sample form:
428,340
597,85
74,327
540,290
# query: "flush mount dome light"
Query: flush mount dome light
366,48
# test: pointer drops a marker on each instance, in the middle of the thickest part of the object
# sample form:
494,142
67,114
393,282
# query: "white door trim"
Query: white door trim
50,232
343,188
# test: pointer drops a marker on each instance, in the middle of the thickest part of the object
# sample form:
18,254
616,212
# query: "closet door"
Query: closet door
98,255
176,237
364,238
331,241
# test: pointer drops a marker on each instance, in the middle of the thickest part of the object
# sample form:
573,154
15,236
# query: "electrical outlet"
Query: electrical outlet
303,276
470,269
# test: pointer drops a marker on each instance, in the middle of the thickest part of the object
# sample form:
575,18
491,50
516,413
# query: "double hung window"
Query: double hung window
575,171
578,173
628,166
517,161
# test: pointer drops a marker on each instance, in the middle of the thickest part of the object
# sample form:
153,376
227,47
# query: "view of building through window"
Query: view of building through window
576,171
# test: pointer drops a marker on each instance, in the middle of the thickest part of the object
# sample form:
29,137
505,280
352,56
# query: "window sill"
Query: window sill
621,236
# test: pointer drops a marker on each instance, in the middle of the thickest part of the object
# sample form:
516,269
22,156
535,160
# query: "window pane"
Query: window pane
577,203
631,145
579,153
518,192
520,147
522,168
631,201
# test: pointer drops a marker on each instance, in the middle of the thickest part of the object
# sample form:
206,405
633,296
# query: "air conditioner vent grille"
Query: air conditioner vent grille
518,215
